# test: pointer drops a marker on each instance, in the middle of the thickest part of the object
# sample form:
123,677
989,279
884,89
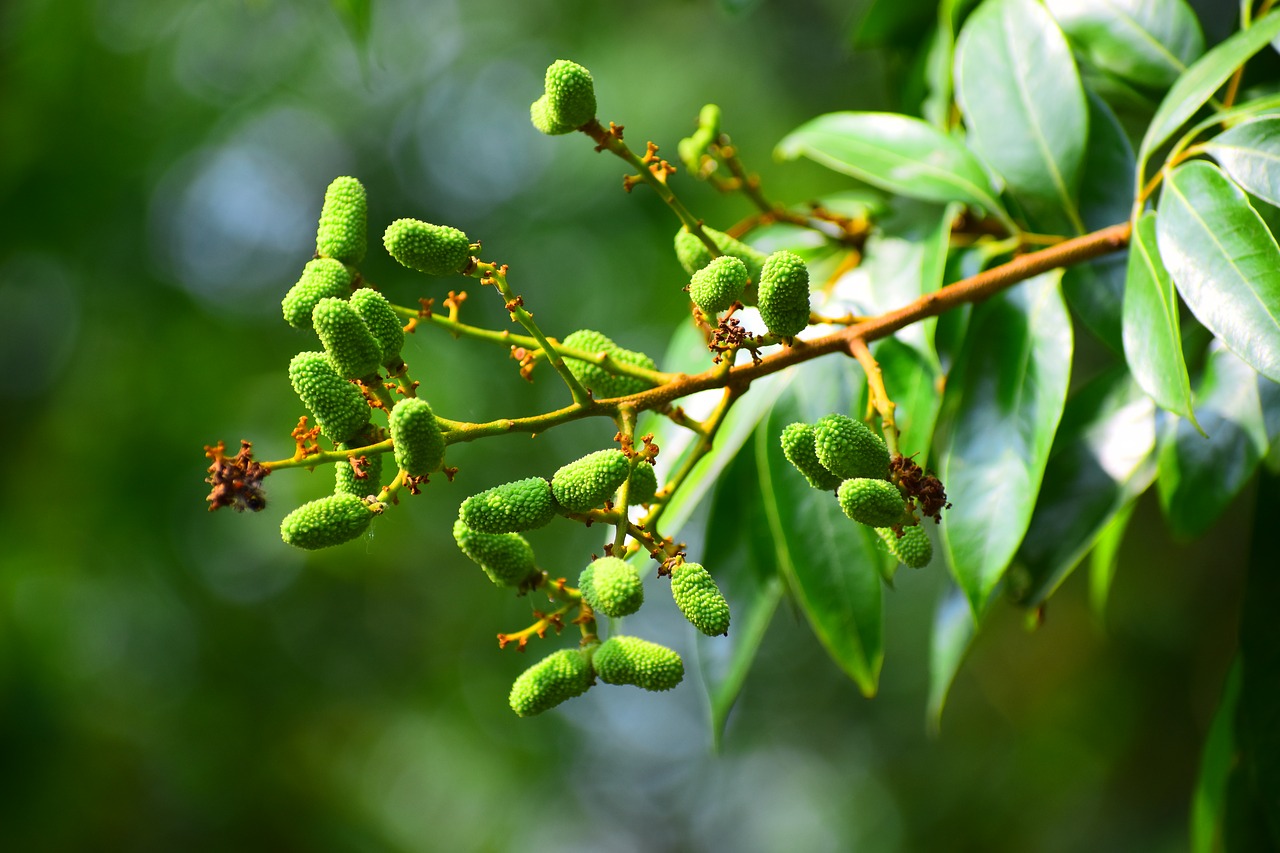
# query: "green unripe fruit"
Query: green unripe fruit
432,249
612,586
913,550
322,277
699,599
631,660
693,255
416,437
784,294
511,507
571,94
381,320
875,503
338,406
849,449
344,222
346,482
507,558
590,481
601,383
325,522
644,484
709,120
798,447
540,115
350,345
718,285
559,676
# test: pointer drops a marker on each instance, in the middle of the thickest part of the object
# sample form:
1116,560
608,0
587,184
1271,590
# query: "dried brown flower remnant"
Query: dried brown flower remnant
236,480
924,488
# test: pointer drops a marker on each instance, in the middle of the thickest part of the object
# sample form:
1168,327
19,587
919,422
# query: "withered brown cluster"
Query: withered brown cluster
236,480
925,488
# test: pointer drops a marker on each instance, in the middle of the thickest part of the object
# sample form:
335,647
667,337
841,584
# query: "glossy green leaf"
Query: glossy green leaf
886,23
739,553
831,563
1224,261
940,63
1250,154
1102,459
1023,104
898,153
1209,801
1152,331
357,15
1002,406
1197,85
1200,476
1104,557
953,632
1095,290
1148,42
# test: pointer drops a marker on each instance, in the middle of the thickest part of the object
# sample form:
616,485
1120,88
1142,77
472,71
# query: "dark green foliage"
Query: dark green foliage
338,406
631,660
325,522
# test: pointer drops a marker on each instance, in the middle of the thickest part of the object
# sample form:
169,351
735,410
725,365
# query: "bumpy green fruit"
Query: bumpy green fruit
699,599
718,285
381,320
321,277
784,294
644,484
511,507
325,522
540,115
613,587
600,382
876,503
345,480
507,558
798,447
849,449
693,255
631,660
416,437
432,249
350,345
914,549
559,676
344,222
590,481
338,406
571,94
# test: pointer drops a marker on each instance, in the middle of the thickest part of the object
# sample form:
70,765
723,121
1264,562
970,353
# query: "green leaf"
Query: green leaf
1148,42
1224,261
898,153
1250,154
1216,759
1095,290
939,62
357,15
885,23
739,554
832,564
1152,333
953,632
1101,460
1001,408
1023,104
1197,85
1104,558
1200,476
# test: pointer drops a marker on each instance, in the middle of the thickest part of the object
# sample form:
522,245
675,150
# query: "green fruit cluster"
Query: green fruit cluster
601,383
631,660
344,222
590,481
337,406
875,503
568,102
511,507
507,558
784,294
326,522
694,255
322,277
345,480
848,448
644,484
699,599
559,676
913,550
798,447
416,438
381,320
612,586
718,285
351,346
427,248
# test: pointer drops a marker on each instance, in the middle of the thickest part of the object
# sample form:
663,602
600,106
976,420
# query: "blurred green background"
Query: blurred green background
174,679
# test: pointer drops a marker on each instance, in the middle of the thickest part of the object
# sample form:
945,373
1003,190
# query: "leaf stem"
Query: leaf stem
877,392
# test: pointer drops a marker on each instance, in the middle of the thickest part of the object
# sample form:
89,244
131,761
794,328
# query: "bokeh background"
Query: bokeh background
172,679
